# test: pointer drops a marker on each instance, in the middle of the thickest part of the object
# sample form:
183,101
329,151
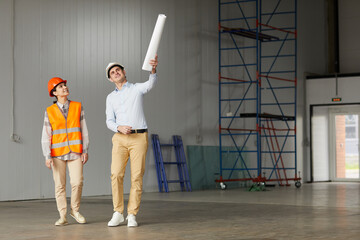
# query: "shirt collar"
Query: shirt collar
62,105
125,85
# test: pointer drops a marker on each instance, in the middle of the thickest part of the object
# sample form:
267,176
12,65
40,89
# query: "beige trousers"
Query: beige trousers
124,146
76,181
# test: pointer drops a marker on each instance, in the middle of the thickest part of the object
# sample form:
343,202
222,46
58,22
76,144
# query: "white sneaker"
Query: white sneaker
116,219
131,220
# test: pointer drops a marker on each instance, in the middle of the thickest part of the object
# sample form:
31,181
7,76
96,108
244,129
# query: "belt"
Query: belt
138,130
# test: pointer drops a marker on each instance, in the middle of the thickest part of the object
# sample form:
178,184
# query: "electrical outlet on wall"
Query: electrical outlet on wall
198,138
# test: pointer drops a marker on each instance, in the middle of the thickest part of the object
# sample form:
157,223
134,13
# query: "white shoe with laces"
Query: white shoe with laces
131,220
116,219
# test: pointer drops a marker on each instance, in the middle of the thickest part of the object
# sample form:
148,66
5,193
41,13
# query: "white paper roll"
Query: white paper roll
154,42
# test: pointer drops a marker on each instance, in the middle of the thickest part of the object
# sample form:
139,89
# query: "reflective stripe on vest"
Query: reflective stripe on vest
66,133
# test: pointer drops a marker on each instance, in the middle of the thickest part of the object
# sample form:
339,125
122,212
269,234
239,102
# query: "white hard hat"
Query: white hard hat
110,66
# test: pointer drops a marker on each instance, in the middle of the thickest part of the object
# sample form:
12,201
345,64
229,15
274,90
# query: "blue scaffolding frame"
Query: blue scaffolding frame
257,78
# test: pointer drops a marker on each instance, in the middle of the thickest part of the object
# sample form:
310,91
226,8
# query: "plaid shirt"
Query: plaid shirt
47,134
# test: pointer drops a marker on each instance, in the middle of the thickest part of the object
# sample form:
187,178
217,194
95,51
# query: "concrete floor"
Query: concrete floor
315,211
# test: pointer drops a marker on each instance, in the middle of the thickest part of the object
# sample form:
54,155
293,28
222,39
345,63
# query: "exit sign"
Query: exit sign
336,99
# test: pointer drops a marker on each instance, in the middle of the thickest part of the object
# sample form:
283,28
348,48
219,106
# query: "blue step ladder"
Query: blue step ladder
163,182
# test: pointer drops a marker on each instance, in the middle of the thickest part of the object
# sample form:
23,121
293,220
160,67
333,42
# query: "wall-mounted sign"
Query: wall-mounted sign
336,99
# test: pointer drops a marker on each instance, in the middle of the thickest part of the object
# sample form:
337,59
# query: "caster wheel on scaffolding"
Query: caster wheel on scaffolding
298,184
223,186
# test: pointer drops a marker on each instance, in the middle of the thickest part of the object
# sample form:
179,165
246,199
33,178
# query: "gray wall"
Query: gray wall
349,36
312,59
76,39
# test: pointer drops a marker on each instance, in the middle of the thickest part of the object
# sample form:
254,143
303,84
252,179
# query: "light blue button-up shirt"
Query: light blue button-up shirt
124,107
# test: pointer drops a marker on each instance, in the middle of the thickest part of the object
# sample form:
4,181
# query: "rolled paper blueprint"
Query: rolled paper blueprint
154,42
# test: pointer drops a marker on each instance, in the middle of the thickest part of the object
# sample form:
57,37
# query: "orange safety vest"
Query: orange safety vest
66,133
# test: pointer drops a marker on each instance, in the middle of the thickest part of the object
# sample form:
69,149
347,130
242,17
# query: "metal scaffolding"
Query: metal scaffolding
257,91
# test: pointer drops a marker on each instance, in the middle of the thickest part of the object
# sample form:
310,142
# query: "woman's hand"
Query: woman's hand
84,157
49,163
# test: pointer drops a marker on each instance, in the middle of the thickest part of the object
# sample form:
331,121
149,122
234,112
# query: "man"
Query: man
125,117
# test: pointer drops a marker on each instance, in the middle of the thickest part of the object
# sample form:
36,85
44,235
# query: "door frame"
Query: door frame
311,109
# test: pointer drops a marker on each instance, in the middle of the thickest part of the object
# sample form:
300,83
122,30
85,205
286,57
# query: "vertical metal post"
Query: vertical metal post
295,89
258,85
219,80
336,36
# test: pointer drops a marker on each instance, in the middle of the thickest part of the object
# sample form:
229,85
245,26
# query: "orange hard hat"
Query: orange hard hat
53,83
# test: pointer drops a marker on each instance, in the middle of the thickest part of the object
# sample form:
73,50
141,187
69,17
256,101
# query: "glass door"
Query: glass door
345,142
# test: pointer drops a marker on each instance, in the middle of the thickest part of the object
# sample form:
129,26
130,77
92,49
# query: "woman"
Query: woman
65,141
